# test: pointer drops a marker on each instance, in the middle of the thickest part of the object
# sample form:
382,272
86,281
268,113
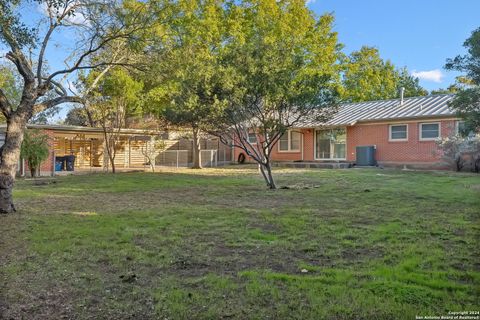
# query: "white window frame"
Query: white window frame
289,140
328,159
421,138
457,126
248,138
396,125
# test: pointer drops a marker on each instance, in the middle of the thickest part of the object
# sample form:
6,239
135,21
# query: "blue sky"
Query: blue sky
418,34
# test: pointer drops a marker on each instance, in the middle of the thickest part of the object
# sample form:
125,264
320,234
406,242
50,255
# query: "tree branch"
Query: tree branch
5,105
92,49
42,52
56,101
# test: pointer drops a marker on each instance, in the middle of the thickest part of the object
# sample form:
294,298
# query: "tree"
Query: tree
151,149
76,117
34,149
451,89
185,86
368,77
410,83
96,24
115,100
284,67
467,99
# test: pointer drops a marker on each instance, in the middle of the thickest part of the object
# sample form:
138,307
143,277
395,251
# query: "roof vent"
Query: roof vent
402,91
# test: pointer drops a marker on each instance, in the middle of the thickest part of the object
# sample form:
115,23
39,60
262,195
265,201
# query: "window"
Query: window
398,132
429,131
330,144
290,141
460,129
252,138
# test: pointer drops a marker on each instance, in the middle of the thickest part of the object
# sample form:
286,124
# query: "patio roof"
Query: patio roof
58,127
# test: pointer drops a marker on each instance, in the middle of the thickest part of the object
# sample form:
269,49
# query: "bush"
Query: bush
460,152
34,149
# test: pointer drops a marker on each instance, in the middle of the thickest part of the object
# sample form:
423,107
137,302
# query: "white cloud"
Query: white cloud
435,75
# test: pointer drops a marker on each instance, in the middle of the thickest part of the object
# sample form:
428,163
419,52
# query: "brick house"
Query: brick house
402,131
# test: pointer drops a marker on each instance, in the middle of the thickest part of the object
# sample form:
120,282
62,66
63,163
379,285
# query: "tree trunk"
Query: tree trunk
111,155
9,157
270,181
197,161
33,172
108,148
264,174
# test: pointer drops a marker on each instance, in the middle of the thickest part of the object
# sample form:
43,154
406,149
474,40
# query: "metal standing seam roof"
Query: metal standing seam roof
417,107
58,127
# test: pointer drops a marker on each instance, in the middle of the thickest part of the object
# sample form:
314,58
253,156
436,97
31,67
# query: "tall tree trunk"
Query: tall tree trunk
9,157
111,154
112,163
33,172
197,161
109,148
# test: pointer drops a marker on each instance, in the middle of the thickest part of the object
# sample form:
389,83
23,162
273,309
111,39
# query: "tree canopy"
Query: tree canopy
284,63
186,77
368,77
467,98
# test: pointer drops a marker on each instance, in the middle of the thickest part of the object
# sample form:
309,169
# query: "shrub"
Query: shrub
460,151
34,149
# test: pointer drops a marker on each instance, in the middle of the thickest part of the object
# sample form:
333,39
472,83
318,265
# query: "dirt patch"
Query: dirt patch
357,255
106,202
475,187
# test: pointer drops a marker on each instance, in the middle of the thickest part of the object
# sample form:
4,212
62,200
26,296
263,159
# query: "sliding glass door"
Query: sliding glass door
330,144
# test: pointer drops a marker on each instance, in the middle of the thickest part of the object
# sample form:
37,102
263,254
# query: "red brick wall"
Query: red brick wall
308,149
411,151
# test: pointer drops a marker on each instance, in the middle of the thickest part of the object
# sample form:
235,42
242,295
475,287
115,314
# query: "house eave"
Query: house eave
3,127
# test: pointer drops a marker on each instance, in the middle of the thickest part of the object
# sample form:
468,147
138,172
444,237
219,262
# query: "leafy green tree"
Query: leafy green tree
76,117
34,149
451,89
187,76
467,99
10,83
368,77
283,63
114,101
99,24
410,83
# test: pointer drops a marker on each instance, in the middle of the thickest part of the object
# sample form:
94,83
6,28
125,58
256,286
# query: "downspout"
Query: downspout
22,173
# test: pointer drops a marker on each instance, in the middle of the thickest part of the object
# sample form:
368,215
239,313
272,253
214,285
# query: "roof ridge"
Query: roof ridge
398,99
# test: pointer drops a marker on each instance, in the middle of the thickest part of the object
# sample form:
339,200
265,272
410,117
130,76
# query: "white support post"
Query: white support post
53,160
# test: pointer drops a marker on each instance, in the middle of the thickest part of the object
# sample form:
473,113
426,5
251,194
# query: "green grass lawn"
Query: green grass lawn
213,244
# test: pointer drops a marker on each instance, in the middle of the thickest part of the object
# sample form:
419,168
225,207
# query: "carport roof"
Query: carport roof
58,127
